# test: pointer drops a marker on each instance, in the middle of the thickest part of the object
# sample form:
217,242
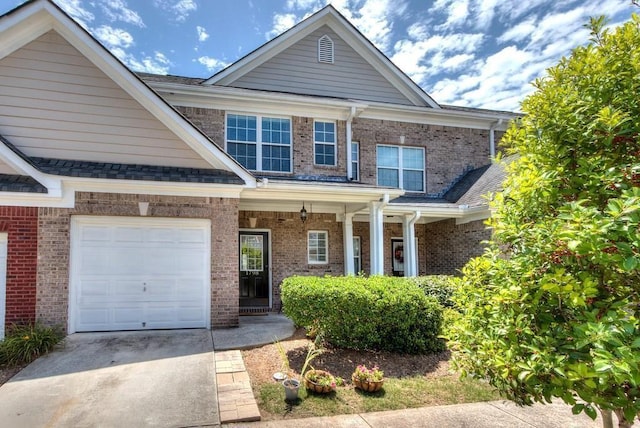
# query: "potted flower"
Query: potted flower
320,381
369,380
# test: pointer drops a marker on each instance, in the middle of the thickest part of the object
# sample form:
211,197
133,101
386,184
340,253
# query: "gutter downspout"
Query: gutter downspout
352,114
492,139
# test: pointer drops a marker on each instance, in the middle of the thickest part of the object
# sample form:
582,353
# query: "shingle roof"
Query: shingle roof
20,183
469,190
119,171
148,77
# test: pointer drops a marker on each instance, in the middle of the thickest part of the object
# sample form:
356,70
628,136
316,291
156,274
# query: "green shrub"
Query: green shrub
378,312
25,343
438,286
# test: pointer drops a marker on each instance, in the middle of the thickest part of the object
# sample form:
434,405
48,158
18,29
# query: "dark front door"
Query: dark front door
254,269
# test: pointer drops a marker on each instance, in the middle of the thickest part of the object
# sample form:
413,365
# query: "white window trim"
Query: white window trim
355,177
400,167
357,256
259,143
335,143
4,245
326,234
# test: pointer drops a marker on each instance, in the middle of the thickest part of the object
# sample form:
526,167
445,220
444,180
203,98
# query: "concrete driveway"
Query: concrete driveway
126,379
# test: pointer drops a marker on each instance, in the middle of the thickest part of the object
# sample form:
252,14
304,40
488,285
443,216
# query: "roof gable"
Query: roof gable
78,65
356,48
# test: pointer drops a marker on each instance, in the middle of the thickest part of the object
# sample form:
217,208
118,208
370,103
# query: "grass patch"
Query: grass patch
25,343
398,393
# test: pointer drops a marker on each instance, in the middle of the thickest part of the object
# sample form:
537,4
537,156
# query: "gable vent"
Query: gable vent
325,49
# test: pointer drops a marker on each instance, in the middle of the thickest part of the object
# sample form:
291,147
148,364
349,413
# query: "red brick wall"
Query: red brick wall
451,246
21,224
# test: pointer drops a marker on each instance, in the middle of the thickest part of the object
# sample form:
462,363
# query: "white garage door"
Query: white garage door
139,273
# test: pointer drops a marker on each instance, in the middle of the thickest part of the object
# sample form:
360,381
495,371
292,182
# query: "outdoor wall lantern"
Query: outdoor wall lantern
303,213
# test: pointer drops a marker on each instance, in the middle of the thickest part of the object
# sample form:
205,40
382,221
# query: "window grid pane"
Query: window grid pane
247,136
355,161
401,167
317,247
244,153
324,135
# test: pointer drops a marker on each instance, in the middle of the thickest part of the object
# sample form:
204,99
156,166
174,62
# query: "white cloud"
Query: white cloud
117,10
74,8
113,37
281,23
158,63
457,12
519,32
179,8
202,33
212,64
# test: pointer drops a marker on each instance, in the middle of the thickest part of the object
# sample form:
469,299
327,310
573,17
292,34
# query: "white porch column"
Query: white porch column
347,234
376,232
409,238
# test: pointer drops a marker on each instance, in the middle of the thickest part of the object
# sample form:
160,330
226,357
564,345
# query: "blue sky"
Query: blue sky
475,53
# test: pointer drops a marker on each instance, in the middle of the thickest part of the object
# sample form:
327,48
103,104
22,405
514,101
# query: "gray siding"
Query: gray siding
55,103
297,70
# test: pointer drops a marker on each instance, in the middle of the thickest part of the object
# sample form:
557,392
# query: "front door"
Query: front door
254,269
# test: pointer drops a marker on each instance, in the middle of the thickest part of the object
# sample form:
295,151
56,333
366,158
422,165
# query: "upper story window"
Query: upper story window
260,143
324,137
325,49
355,161
401,167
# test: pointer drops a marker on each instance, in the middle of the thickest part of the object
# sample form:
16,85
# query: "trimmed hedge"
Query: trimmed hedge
378,312
439,286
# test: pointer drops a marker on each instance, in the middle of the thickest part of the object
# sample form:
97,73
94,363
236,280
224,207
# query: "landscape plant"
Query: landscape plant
377,312
26,342
552,309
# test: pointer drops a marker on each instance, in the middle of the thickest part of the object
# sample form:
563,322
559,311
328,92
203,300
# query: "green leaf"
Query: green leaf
577,408
590,411
630,263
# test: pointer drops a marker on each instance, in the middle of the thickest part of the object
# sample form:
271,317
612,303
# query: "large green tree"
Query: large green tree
552,308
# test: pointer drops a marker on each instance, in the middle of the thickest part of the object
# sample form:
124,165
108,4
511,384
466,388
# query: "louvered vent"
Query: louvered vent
325,49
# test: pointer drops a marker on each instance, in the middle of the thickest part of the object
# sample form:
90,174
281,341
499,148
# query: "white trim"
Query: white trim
326,234
81,220
354,177
268,231
401,168
347,244
259,143
345,30
334,144
52,183
40,16
4,254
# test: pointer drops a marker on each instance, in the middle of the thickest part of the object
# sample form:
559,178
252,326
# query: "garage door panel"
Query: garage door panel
139,273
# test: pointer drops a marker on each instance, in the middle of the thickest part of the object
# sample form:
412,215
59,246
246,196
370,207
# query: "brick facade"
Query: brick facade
450,151
21,226
454,245
52,300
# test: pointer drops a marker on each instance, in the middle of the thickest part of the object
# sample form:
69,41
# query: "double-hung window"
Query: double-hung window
260,143
324,137
318,247
401,167
355,161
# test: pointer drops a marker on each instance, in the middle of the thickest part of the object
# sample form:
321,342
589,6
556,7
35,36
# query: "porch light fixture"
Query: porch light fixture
303,214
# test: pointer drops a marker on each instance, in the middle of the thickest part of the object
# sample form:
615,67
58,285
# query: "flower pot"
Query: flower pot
291,387
315,386
367,386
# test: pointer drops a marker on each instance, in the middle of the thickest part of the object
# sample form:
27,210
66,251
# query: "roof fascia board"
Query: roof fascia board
243,99
52,183
267,51
382,64
129,82
152,187
66,199
338,23
318,192
33,23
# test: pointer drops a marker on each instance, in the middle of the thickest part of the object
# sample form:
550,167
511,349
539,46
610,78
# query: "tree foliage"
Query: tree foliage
551,309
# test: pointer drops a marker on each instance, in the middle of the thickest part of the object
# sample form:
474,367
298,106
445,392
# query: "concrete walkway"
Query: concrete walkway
494,414
254,330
